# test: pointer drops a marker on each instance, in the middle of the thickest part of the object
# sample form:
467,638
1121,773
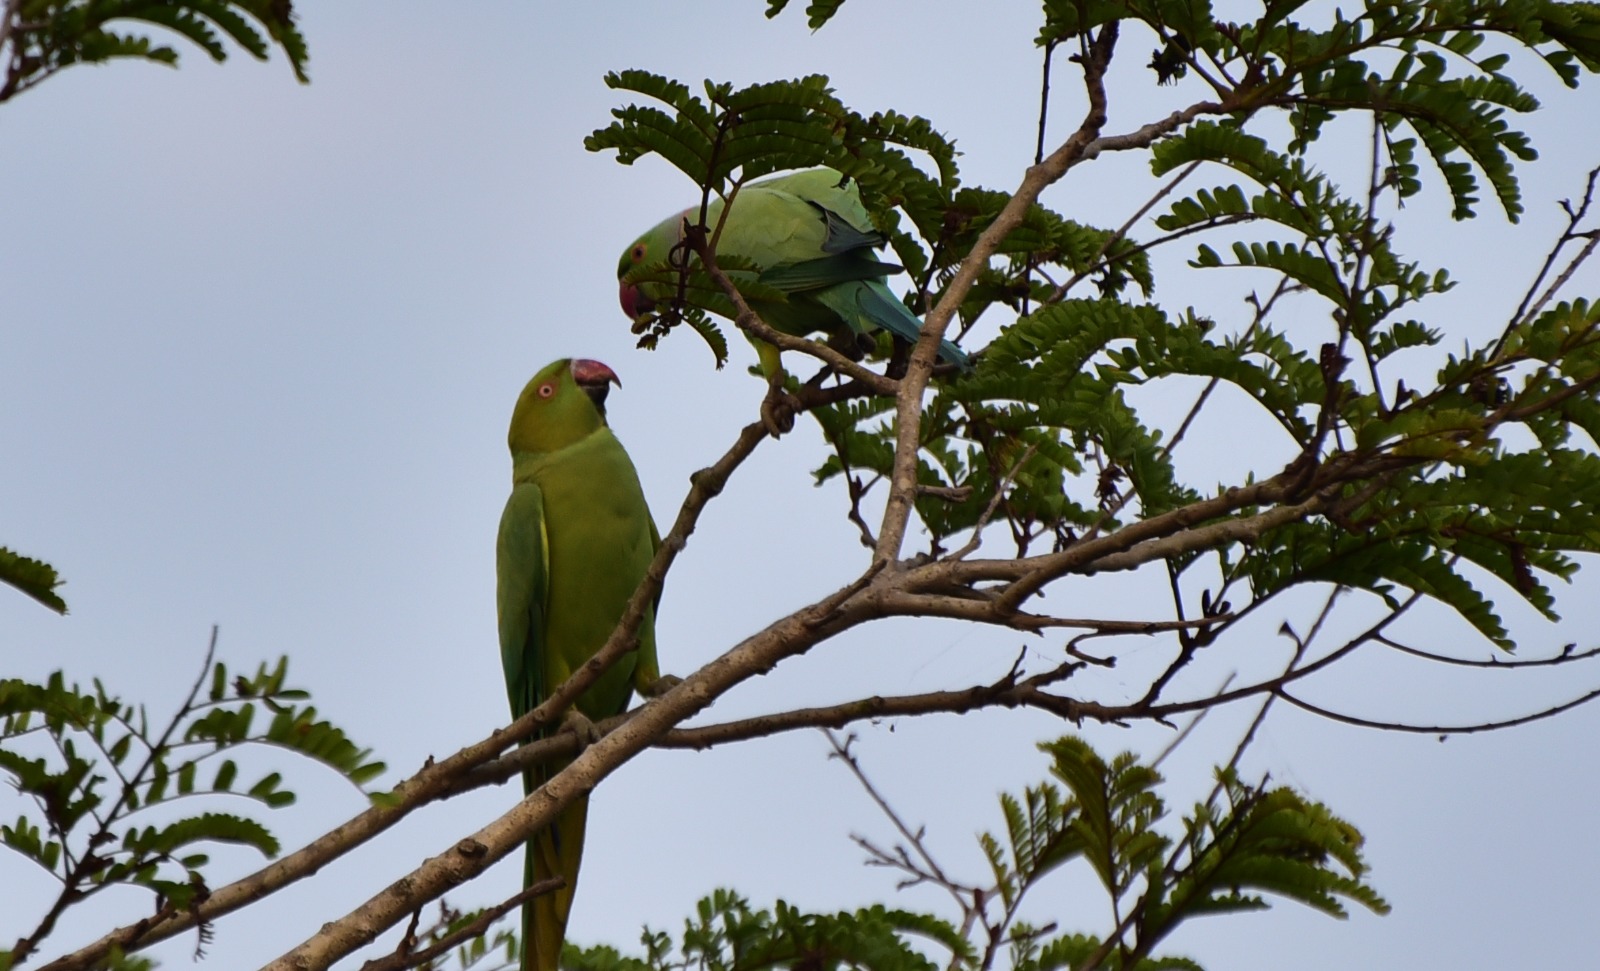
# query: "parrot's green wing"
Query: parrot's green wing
825,271
839,236
521,569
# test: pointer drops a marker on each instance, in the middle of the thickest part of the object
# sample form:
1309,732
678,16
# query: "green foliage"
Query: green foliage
818,12
116,960
1394,490
726,934
1048,434
45,36
34,578
1238,847
115,800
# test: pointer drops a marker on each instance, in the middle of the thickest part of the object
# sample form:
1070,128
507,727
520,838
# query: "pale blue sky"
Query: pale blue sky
261,342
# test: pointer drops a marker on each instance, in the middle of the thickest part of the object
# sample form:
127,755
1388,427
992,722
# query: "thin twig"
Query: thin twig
1574,216
480,925
929,870
1122,231
1194,723
1467,729
1567,656
1044,100
994,503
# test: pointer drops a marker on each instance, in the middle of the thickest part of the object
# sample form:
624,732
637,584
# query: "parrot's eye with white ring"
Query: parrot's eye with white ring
546,390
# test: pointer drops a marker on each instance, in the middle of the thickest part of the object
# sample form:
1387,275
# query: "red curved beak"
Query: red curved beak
634,303
593,374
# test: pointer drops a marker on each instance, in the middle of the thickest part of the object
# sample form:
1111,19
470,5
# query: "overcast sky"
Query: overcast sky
261,341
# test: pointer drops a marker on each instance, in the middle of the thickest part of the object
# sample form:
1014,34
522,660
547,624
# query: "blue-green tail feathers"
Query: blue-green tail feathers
865,304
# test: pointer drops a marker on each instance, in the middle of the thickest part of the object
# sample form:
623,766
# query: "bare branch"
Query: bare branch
468,857
1466,729
908,404
1122,551
928,870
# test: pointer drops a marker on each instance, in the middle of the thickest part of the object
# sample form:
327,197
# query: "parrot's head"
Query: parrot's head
563,404
653,247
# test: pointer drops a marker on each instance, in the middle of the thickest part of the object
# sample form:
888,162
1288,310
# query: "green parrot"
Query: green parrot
813,239
575,541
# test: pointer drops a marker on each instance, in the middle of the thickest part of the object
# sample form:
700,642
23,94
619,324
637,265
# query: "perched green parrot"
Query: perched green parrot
575,540
813,239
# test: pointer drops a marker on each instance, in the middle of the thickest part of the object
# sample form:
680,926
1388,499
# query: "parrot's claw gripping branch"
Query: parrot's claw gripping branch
586,732
661,686
778,408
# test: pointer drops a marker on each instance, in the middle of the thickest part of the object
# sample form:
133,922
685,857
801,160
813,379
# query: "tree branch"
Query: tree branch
1466,729
469,857
908,403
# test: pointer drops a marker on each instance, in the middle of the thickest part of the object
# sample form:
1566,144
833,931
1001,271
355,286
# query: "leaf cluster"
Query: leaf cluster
41,37
1414,67
1234,850
115,799
35,578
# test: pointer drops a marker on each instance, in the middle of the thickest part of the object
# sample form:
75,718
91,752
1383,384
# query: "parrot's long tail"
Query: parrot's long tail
864,302
554,851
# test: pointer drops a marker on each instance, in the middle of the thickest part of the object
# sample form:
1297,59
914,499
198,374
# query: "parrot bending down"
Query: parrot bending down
575,541
813,239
